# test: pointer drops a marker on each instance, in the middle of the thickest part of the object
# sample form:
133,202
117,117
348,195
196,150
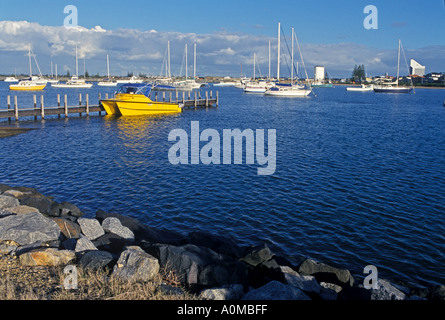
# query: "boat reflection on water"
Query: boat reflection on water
133,135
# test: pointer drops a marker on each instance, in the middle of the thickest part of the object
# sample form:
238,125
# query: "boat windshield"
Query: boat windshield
136,89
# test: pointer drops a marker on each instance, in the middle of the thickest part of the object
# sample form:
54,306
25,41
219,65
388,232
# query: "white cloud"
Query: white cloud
220,53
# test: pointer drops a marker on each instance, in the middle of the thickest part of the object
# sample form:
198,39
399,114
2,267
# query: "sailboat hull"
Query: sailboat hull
27,87
393,90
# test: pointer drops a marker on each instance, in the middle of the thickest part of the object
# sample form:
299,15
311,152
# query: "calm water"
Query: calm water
360,177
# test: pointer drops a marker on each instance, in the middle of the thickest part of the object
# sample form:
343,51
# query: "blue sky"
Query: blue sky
420,24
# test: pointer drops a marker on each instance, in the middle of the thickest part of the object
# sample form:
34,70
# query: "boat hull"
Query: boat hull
27,88
137,105
71,86
288,93
393,90
132,108
110,107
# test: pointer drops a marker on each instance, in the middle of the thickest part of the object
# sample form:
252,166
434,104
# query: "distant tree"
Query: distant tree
87,75
359,73
68,74
129,74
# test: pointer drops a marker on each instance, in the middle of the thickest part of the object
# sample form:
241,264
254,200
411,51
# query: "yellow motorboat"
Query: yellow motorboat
134,100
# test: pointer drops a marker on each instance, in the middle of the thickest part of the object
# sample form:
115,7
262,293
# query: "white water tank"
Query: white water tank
319,73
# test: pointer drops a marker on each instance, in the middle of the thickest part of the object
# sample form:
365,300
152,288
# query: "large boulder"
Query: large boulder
7,201
199,267
91,228
113,225
68,228
217,243
143,232
386,291
36,200
276,290
326,273
47,257
28,228
95,260
65,209
136,265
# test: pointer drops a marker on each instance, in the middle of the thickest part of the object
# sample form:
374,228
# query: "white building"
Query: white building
416,68
319,73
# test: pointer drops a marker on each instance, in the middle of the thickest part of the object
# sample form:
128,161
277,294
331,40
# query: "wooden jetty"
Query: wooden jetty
39,110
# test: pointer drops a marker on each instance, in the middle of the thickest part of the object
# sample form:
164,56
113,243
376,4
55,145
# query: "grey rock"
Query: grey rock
326,273
65,209
257,255
275,290
5,213
111,242
168,290
91,228
42,203
114,225
136,265
8,202
329,291
83,244
199,266
143,232
6,249
305,283
217,243
228,292
386,291
28,228
95,260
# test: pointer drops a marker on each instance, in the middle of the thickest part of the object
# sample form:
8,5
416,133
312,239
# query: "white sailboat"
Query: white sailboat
362,88
188,84
52,80
33,83
293,89
394,87
75,82
107,82
257,86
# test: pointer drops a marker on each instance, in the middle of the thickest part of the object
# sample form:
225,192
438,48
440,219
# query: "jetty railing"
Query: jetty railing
186,99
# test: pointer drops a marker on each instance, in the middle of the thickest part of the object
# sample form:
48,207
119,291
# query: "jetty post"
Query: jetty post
9,107
42,108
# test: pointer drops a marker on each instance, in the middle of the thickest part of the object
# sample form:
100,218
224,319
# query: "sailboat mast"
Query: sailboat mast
279,44
292,64
269,59
186,62
398,65
29,55
168,59
108,67
77,64
254,57
194,63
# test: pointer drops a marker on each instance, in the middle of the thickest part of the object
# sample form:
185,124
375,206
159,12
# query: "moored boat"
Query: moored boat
134,100
362,88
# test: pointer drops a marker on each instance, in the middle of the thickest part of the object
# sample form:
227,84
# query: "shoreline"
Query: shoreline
6,132
209,267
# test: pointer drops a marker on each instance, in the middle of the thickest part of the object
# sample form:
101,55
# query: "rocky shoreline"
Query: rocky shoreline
40,232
